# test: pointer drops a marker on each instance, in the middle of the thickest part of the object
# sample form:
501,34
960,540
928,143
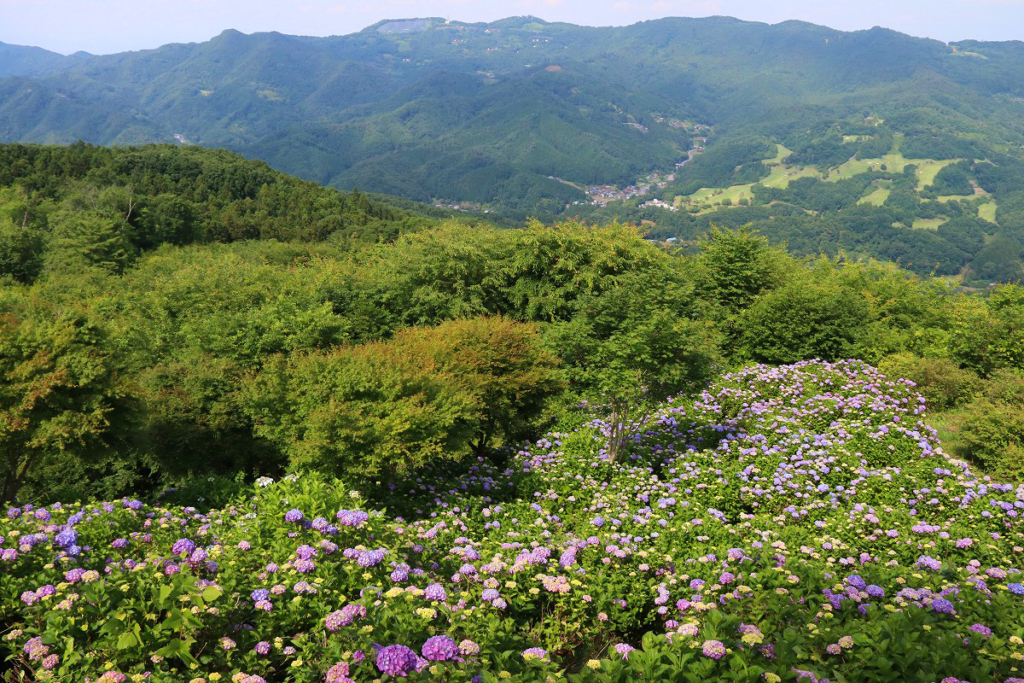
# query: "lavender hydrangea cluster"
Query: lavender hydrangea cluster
816,492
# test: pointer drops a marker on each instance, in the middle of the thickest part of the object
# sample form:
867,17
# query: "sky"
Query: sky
107,26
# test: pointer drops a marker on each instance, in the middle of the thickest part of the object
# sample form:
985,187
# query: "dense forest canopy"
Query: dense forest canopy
209,307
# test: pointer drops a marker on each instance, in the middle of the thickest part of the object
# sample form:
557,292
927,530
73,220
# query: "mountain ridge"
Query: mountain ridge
528,117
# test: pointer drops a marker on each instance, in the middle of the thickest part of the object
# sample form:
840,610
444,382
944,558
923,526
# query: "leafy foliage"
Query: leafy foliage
427,394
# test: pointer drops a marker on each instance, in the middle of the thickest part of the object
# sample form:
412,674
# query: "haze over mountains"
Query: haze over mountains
527,117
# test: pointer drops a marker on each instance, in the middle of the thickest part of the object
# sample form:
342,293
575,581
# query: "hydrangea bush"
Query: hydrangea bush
799,523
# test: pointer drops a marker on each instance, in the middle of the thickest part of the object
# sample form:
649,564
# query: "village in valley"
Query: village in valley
601,195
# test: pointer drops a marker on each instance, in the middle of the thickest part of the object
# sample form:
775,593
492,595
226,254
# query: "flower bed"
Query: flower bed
793,523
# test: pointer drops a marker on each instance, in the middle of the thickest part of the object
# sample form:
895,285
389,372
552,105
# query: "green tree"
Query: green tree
804,320
987,334
358,411
429,394
21,251
737,266
57,393
632,346
549,268
501,363
88,239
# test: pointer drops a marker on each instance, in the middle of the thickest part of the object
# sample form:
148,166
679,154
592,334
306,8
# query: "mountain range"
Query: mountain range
527,117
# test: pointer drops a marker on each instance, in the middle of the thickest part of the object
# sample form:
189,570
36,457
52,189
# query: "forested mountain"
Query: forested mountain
67,208
872,142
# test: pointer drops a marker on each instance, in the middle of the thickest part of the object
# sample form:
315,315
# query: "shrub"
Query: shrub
802,321
940,381
993,436
385,407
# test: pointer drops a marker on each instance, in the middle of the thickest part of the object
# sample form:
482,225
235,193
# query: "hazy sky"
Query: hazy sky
104,26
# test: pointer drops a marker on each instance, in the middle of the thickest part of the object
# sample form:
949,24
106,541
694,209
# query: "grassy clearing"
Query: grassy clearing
782,176
851,168
948,425
927,169
987,211
955,197
928,223
781,153
876,198
893,162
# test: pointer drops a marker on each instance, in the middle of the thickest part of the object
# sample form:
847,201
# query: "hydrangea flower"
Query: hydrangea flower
339,673
435,591
535,653
440,649
183,546
624,649
713,649
396,660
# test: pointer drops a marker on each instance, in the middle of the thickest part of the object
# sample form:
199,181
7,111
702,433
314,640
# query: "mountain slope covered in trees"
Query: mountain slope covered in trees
500,107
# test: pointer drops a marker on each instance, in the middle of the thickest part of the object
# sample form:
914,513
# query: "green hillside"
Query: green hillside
525,117
66,208
528,97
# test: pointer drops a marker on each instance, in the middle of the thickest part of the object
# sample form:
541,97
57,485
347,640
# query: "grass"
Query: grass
987,211
928,223
781,153
853,167
928,169
948,425
782,174
894,162
974,55
954,197
876,198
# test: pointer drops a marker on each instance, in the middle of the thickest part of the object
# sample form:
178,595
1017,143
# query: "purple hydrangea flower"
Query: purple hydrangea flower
183,545
713,649
981,629
339,673
352,518
440,649
535,653
435,591
396,660
66,538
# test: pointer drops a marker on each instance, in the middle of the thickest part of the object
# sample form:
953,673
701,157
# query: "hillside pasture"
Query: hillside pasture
877,197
